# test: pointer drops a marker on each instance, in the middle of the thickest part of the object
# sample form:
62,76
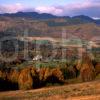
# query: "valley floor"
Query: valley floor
80,91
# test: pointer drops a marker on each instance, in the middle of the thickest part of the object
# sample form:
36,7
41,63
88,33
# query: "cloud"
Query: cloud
11,8
89,8
52,10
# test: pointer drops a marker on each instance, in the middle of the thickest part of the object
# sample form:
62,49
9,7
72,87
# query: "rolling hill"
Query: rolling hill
47,25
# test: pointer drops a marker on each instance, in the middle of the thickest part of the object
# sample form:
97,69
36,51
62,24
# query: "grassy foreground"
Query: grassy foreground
80,91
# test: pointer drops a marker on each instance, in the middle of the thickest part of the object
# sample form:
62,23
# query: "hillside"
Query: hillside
48,28
47,25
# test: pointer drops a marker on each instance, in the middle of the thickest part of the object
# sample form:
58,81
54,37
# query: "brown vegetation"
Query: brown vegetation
25,80
30,77
87,74
8,79
44,73
97,68
47,75
56,73
87,71
3,75
13,76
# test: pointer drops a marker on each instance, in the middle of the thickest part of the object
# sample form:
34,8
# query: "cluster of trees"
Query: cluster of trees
30,77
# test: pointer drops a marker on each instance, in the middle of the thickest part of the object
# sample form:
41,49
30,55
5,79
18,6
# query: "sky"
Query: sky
56,7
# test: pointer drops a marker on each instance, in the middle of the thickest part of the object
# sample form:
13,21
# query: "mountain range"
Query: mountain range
48,25
46,16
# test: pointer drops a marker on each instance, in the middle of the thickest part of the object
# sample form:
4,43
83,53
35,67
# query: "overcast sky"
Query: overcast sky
57,7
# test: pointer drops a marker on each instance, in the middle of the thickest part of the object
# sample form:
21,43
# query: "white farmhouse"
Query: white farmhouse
38,57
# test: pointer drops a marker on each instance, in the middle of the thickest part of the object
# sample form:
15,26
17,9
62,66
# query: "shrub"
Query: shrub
55,76
25,80
35,77
97,68
3,75
86,68
41,74
13,76
69,72
7,80
87,72
47,75
44,73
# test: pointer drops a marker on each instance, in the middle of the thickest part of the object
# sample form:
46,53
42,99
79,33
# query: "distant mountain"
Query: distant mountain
86,19
83,18
33,15
44,16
